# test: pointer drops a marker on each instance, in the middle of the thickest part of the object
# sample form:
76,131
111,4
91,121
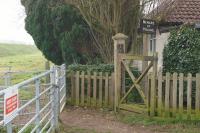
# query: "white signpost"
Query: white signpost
11,104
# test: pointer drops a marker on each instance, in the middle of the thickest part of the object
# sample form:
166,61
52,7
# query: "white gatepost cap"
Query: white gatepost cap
120,36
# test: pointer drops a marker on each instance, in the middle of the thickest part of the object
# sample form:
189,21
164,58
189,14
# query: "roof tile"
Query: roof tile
186,11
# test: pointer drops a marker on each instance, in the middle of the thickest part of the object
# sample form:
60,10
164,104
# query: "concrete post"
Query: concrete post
119,48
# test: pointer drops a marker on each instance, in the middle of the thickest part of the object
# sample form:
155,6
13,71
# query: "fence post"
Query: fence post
77,85
57,91
54,122
8,78
153,85
56,106
94,89
8,83
64,84
37,93
174,105
112,90
189,96
119,47
72,87
167,96
47,67
100,89
9,127
89,89
62,93
197,103
160,92
82,88
181,86
106,89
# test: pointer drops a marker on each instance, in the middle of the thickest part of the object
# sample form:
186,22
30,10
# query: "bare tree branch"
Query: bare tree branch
108,17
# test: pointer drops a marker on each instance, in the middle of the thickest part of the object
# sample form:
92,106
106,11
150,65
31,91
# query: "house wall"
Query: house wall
161,41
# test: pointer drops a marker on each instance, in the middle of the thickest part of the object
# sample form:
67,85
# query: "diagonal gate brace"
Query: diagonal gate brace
136,82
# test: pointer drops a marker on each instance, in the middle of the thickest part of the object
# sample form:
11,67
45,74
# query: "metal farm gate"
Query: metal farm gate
33,106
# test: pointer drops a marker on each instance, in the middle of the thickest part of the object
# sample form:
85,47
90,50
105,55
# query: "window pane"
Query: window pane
154,47
151,47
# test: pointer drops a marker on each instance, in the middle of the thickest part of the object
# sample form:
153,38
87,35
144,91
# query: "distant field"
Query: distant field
16,49
21,57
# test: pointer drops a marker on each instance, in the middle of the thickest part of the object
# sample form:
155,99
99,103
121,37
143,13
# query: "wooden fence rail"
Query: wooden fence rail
176,95
92,89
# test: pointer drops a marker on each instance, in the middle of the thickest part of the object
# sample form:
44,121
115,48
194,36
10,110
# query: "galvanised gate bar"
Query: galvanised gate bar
40,103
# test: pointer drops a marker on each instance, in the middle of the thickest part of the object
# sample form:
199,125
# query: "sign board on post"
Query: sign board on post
11,104
147,26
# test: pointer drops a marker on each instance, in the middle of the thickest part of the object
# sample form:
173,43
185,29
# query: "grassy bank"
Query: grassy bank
168,125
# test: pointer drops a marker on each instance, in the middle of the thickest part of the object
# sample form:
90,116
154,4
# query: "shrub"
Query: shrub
92,68
182,53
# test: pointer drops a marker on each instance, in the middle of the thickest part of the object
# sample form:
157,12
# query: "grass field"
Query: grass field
16,49
21,57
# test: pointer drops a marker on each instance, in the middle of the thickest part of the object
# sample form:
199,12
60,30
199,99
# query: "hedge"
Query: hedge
182,53
92,68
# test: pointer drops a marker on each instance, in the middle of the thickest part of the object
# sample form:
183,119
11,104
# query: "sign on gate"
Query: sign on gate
11,103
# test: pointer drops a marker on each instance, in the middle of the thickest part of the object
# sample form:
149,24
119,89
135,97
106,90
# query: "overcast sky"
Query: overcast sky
12,23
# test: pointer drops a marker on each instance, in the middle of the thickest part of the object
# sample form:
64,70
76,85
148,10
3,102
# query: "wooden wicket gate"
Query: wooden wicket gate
122,93
121,63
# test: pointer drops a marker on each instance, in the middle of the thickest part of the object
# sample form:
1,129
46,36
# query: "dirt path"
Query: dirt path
78,120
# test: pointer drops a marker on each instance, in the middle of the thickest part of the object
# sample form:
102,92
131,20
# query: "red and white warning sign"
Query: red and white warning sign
11,103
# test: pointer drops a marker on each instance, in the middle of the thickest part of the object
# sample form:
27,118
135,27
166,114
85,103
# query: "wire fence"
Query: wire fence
9,77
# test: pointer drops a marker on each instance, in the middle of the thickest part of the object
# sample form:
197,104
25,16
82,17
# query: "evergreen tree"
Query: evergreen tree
55,28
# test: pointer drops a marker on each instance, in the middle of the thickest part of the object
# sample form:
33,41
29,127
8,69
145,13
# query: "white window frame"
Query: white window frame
152,43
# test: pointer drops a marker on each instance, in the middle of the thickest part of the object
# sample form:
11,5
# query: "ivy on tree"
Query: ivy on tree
182,53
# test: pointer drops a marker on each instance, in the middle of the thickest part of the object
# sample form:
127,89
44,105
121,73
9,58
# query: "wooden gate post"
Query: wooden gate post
153,86
119,48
